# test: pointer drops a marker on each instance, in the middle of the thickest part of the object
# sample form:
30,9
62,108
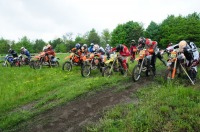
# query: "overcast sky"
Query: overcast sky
50,19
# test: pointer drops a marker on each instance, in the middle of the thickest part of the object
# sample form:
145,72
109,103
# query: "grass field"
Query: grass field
25,92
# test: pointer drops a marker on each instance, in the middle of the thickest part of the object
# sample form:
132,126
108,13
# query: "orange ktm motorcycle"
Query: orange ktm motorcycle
43,60
73,59
144,65
176,67
92,63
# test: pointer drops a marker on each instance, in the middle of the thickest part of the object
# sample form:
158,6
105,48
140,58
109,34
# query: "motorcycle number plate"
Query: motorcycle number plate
169,63
173,55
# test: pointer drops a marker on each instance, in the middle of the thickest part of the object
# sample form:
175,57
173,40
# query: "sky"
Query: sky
50,19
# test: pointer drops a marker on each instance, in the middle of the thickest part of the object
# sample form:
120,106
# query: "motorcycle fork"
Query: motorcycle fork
174,69
141,65
113,65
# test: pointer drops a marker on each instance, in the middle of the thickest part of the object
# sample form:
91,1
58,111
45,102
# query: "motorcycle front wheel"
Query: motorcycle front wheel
67,66
136,73
106,71
37,64
86,70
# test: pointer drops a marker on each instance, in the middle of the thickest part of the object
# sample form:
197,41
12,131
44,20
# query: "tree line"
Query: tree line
172,29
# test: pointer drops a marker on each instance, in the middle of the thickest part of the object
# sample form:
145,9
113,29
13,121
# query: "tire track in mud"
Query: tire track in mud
74,115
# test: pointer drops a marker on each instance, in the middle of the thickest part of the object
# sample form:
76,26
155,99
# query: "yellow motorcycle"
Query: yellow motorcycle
114,64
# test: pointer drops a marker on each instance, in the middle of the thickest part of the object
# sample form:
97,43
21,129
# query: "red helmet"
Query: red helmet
148,41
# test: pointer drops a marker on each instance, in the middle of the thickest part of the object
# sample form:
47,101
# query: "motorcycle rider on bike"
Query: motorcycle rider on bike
100,50
190,53
124,53
25,52
13,53
49,52
152,47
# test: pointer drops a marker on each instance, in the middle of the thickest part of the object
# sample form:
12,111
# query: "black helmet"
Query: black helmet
119,48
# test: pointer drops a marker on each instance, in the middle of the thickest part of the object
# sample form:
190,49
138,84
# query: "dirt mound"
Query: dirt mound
74,115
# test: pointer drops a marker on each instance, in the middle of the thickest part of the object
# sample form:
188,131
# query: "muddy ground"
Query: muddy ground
74,116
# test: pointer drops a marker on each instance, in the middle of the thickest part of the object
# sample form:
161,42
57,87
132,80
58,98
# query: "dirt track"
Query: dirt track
73,116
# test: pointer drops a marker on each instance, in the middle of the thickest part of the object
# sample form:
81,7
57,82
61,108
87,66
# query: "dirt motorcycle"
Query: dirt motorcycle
144,64
9,60
73,59
92,63
114,64
24,60
176,66
42,59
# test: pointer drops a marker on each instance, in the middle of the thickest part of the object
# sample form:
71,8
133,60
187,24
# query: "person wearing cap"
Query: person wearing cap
133,50
24,51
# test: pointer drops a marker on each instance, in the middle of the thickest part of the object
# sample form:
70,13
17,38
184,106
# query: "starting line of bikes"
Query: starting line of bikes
93,61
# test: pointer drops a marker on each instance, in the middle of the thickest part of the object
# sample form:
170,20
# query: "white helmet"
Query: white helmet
22,48
181,45
107,45
96,47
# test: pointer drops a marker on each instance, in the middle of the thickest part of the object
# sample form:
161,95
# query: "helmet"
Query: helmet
10,50
133,42
92,44
148,41
48,46
78,46
22,48
107,45
119,48
96,47
85,45
141,40
181,45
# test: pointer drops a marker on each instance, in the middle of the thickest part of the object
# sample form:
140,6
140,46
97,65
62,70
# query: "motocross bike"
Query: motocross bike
43,60
24,60
91,63
144,60
176,67
12,61
74,59
113,64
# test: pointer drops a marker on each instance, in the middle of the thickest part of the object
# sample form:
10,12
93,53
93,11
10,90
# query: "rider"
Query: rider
50,52
133,50
13,53
90,49
152,47
84,49
124,53
98,49
25,52
107,49
191,54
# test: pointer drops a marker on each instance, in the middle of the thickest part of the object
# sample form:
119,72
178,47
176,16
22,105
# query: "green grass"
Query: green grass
161,107
25,92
